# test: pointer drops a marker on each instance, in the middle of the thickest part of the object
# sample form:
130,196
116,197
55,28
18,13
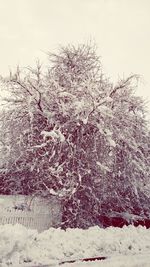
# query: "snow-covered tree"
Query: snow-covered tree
75,135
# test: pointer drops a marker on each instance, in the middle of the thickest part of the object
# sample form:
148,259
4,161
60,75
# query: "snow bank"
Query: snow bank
21,246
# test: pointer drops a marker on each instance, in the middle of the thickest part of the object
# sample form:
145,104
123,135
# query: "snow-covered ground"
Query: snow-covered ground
117,261
124,247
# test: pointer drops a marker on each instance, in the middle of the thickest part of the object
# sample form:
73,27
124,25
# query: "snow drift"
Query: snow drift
24,247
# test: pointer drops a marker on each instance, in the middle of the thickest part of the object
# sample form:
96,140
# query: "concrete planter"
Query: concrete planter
32,212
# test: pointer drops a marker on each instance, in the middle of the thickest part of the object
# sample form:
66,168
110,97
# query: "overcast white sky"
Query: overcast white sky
120,28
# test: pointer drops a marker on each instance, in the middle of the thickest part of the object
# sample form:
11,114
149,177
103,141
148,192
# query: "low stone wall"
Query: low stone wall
32,212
